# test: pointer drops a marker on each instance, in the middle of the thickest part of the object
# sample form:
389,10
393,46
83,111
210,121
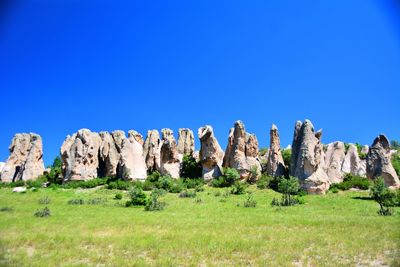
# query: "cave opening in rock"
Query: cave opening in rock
102,168
17,170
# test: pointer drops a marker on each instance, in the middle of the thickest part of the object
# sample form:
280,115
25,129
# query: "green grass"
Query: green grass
331,230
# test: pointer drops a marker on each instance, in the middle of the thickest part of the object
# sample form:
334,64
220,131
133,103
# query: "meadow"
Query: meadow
213,229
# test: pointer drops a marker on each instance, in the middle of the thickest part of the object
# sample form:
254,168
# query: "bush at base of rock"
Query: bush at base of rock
228,179
188,194
118,196
191,168
238,188
264,181
351,181
154,204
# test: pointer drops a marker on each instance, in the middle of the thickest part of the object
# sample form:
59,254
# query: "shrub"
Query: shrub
119,184
42,213
137,197
396,162
334,190
288,187
250,202
38,183
286,155
188,194
383,196
96,201
85,184
198,200
191,183
238,188
148,185
351,181
118,196
228,179
254,174
176,187
6,209
263,182
44,200
154,204
191,168
77,201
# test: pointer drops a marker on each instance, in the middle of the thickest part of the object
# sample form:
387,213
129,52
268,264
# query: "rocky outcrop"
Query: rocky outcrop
365,149
352,163
275,163
242,151
132,165
109,156
211,154
151,150
79,155
170,159
334,158
185,141
26,158
1,167
379,162
307,152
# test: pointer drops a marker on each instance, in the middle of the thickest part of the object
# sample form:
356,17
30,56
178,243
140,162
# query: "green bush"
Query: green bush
119,184
238,188
263,182
154,204
6,209
286,155
43,212
176,187
137,197
334,190
191,183
191,168
288,187
250,202
228,179
44,200
396,162
77,201
118,196
383,196
351,181
85,184
188,194
96,201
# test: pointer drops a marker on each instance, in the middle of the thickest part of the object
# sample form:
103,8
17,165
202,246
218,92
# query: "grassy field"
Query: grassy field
332,230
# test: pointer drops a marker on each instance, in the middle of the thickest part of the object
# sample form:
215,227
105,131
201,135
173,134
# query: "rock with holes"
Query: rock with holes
334,158
211,154
275,164
170,159
242,151
132,165
80,156
26,158
307,158
379,162
152,150
185,141
352,163
108,155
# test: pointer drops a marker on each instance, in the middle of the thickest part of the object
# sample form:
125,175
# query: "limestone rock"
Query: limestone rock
185,141
334,158
19,189
275,163
307,153
79,155
118,137
151,150
108,156
379,162
1,167
170,160
352,163
365,149
196,155
242,151
211,154
26,158
132,165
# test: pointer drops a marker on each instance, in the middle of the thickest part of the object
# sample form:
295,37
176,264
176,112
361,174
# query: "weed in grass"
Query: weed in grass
6,209
250,201
188,194
77,201
44,200
41,213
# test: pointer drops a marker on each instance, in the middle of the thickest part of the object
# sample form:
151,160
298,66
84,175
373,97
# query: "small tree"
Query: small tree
288,187
191,168
137,197
154,204
383,196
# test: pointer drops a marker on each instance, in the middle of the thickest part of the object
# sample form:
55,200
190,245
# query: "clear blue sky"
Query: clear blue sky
102,65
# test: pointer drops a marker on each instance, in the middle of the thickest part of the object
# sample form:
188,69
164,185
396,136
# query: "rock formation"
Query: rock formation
275,163
79,155
108,156
211,154
1,167
242,151
132,165
170,160
352,163
334,158
379,162
365,149
26,158
185,141
151,150
307,152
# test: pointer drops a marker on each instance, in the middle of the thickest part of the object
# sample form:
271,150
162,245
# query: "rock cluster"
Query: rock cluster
352,163
185,141
211,154
275,164
334,157
170,162
307,158
379,162
26,158
151,150
242,151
